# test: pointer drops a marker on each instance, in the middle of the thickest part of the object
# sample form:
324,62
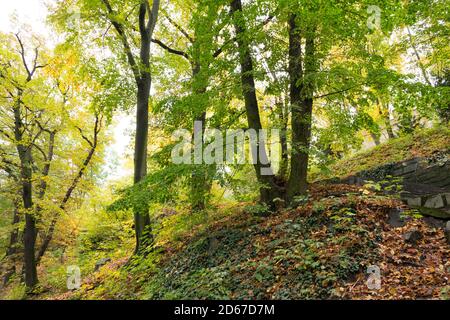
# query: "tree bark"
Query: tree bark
143,79
142,221
283,118
141,215
199,187
384,112
142,75
268,189
301,95
13,242
200,184
30,233
375,138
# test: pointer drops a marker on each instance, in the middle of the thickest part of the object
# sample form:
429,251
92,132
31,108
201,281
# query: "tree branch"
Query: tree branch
179,28
123,37
171,50
49,235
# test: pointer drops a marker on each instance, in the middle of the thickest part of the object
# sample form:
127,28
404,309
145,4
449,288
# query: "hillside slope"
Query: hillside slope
423,143
321,249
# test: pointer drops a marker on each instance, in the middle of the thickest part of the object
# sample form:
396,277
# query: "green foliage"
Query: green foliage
389,81
258,210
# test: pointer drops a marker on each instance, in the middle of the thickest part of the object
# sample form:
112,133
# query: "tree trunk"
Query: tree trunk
384,112
29,235
201,177
142,75
282,115
12,247
268,189
141,214
62,206
301,93
375,138
142,224
199,185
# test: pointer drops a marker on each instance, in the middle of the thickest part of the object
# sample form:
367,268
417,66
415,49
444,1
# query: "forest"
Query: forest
225,150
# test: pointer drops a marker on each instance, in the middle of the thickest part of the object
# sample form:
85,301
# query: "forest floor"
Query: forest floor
321,249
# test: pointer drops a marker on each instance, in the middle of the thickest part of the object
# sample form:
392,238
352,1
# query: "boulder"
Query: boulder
435,202
213,245
414,202
434,222
412,237
395,219
437,213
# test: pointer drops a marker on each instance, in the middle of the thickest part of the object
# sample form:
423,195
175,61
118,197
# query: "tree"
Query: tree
130,37
36,110
269,190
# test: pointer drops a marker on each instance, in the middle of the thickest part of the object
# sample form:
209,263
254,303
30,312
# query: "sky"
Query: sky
32,13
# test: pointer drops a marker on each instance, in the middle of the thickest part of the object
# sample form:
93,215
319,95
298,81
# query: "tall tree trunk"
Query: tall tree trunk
202,175
30,233
11,251
141,214
283,118
385,114
142,76
199,184
301,93
268,189
142,222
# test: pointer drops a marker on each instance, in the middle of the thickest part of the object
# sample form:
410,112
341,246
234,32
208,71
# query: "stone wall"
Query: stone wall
425,182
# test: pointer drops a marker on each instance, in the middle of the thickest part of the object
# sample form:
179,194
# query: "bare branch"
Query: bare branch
22,54
84,137
171,50
49,235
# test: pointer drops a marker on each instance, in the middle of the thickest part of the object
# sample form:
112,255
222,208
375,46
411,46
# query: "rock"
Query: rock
412,237
280,204
414,202
100,263
447,232
434,222
435,202
395,219
437,213
447,198
410,167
